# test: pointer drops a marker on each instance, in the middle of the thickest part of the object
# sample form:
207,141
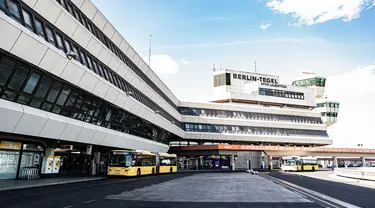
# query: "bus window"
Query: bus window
308,83
313,82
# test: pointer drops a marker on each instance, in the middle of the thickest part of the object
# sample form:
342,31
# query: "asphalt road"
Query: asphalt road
95,194
356,195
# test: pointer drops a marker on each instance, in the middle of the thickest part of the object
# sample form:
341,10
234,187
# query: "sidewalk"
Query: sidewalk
22,184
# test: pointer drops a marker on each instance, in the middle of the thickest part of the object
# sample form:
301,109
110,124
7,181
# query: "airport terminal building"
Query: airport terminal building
71,86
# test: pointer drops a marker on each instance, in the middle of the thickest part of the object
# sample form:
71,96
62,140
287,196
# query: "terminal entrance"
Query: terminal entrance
204,162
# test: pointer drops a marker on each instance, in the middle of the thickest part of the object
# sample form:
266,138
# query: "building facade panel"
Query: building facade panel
66,23
54,61
13,112
94,46
89,9
9,32
54,127
73,72
22,46
31,122
88,81
82,36
49,9
72,130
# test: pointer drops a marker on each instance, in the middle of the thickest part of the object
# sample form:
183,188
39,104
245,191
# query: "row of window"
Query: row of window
320,82
222,79
76,13
249,115
329,105
281,93
36,24
21,83
252,130
329,114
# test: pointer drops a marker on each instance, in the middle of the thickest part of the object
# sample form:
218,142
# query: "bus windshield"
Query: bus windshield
120,159
290,162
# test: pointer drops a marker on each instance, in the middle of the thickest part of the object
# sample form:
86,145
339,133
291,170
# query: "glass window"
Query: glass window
2,4
101,73
70,9
72,99
35,103
46,107
22,99
39,27
54,92
75,49
44,85
31,83
95,67
56,109
9,95
313,81
18,78
308,83
83,58
67,46
105,74
59,42
6,68
63,96
28,20
50,36
89,62
14,10
323,82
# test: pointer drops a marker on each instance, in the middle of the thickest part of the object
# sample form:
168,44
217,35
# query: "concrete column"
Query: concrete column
335,163
50,151
363,159
232,162
270,165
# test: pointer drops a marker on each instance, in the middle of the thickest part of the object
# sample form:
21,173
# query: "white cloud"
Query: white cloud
356,93
163,64
309,12
266,25
185,61
211,45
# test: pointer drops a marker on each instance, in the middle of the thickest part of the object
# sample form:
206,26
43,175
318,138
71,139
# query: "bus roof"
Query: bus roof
167,155
141,152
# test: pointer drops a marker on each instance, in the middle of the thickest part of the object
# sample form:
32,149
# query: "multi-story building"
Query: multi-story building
72,86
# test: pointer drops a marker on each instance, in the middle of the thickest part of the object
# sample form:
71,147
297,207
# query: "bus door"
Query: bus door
157,163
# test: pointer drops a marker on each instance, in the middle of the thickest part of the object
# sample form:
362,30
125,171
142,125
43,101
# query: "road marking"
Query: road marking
86,202
69,206
313,194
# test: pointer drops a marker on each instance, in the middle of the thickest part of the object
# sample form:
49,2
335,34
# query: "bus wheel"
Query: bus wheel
171,170
153,171
138,172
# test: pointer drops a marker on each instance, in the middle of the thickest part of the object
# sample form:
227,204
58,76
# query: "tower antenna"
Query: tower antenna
255,66
149,49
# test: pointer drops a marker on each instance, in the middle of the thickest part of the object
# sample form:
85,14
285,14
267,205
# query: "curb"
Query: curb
17,187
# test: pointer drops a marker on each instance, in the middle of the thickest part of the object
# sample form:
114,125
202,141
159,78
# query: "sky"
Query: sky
332,38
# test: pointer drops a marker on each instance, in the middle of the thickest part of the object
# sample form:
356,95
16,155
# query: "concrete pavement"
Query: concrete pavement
174,190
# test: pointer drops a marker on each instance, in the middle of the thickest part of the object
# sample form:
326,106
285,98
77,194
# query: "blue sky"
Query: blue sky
331,38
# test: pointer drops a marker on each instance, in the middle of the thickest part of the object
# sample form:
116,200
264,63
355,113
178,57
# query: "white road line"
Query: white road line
69,206
86,202
315,194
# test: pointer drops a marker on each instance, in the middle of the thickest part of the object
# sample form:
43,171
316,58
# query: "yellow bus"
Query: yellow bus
167,163
137,163
299,164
